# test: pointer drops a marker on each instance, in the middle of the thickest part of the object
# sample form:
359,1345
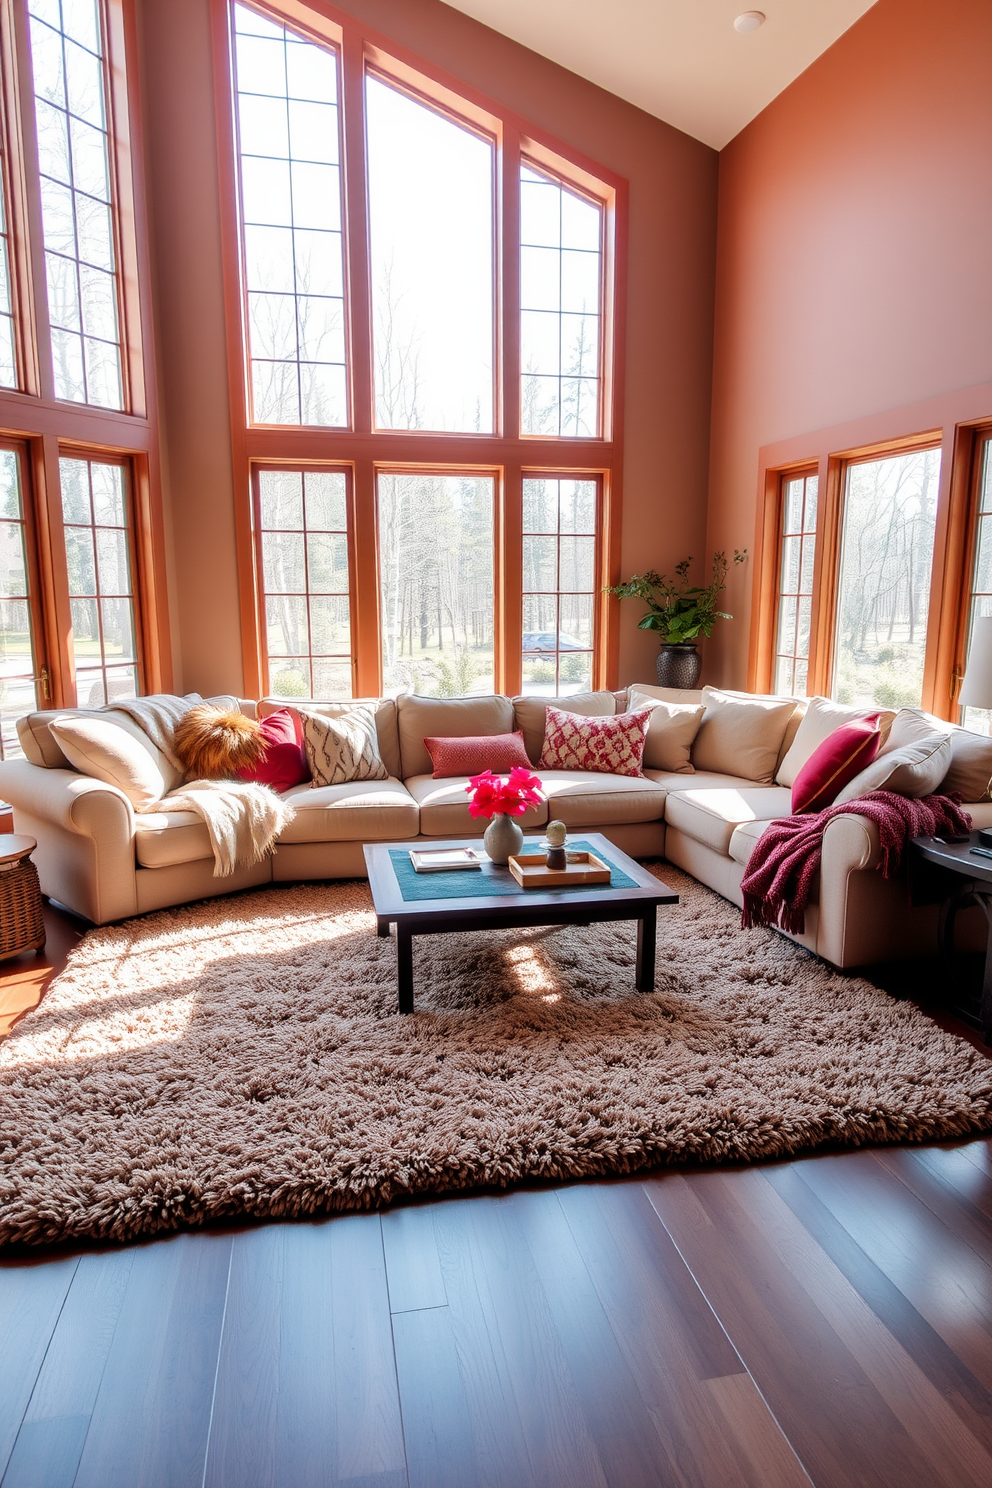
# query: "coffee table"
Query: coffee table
443,907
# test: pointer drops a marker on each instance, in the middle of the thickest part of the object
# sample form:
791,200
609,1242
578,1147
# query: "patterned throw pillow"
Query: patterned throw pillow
343,748
604,746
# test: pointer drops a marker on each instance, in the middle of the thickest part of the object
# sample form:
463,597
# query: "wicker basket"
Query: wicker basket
22,927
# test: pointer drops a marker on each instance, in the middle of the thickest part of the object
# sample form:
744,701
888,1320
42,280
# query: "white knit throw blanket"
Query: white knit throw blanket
242,819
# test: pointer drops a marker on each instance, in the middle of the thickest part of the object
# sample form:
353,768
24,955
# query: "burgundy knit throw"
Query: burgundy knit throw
781,868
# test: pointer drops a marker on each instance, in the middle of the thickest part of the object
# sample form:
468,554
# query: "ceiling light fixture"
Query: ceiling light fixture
750,20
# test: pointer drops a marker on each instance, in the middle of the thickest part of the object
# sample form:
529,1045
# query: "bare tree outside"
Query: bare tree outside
890,513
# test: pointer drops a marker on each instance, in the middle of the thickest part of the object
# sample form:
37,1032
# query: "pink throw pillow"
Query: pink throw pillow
284,763
474,753
604,746
834,763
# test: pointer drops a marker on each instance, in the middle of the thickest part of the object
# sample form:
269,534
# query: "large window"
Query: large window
459,278
81,548
980,585
795,585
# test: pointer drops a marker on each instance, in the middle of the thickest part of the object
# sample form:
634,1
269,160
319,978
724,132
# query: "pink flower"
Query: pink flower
492,795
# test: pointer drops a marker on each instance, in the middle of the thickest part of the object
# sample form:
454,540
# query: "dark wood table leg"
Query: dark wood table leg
647,927
404,968
381,926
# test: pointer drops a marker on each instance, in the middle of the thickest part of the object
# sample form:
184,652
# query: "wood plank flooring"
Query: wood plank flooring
824,1321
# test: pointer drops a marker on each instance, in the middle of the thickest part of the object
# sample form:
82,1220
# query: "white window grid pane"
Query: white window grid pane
562,400
291,670
980,603
543,653
104,671
78,209
795,583
291,211
8,358
18,691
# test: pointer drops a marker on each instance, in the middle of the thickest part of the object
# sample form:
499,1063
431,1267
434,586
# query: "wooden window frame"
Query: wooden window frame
957,424
49,427
601,576
366,450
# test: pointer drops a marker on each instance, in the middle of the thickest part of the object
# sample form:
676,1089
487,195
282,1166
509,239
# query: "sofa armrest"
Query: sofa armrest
85,834
66,799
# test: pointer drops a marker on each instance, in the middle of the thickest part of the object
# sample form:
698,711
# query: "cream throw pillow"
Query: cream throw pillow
742,735
821,718
672,727
107,752
344,748
912,762
970,770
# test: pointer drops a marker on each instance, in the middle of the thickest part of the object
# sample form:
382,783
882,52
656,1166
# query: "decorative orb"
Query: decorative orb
556,833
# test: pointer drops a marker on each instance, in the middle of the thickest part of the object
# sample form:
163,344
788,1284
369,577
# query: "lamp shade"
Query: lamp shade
976,689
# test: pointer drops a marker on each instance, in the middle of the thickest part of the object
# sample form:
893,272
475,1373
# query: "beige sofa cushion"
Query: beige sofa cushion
385,720
96,745
356,811
667,694
913,760
164,838
444,808
672,727
581,798
742,840
741,734
421,718
818,722
42,748
529,714
970,770
711,815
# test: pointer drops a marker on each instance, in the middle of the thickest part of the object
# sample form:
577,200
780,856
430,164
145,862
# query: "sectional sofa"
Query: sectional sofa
104,862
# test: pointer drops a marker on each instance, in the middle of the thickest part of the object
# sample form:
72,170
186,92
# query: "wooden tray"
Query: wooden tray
532,872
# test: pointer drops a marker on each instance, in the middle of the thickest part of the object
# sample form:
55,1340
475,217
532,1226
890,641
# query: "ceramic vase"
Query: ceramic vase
503,839
679,666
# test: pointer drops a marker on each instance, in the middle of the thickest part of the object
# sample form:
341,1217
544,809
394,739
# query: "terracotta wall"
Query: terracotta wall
669,333
854,250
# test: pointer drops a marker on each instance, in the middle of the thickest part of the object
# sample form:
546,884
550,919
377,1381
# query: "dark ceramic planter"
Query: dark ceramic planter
679,666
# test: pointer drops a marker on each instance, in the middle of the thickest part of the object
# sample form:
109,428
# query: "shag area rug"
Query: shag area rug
244,1056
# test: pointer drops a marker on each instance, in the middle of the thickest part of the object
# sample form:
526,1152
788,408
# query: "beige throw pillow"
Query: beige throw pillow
344,748
529,714
821,718
742,735
970,770
672,727
105,751
912,762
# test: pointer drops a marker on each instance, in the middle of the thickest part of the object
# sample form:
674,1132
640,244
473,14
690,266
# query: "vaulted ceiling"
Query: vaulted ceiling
681,60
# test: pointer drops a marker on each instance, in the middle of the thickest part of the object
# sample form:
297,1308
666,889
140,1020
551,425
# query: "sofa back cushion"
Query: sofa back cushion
385,720
530,714
96,745
970,771
420,718
666,694
672,729
851,748
742,734
42,748
820,719
912,761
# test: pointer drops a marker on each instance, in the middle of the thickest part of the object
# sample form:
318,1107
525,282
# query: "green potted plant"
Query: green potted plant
679,612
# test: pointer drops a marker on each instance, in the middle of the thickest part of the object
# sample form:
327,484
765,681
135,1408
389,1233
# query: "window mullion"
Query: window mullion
358,289
33,250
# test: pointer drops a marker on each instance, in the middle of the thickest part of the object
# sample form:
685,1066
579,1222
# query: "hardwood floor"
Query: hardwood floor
824,1321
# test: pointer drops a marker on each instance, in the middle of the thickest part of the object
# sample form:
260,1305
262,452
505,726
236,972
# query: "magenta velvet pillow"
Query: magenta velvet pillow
606,746
834,763
474,753
284,762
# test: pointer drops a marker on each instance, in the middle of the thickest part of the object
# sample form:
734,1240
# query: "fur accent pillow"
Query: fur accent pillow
215,743
343,748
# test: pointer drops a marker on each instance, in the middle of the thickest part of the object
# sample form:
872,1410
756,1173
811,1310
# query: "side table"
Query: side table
951,875
22,927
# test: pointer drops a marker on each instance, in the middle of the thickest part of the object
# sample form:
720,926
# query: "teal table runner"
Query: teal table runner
487,881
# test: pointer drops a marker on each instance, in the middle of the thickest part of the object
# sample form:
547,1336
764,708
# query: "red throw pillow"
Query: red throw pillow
474,753
284,762
605,746
834,763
